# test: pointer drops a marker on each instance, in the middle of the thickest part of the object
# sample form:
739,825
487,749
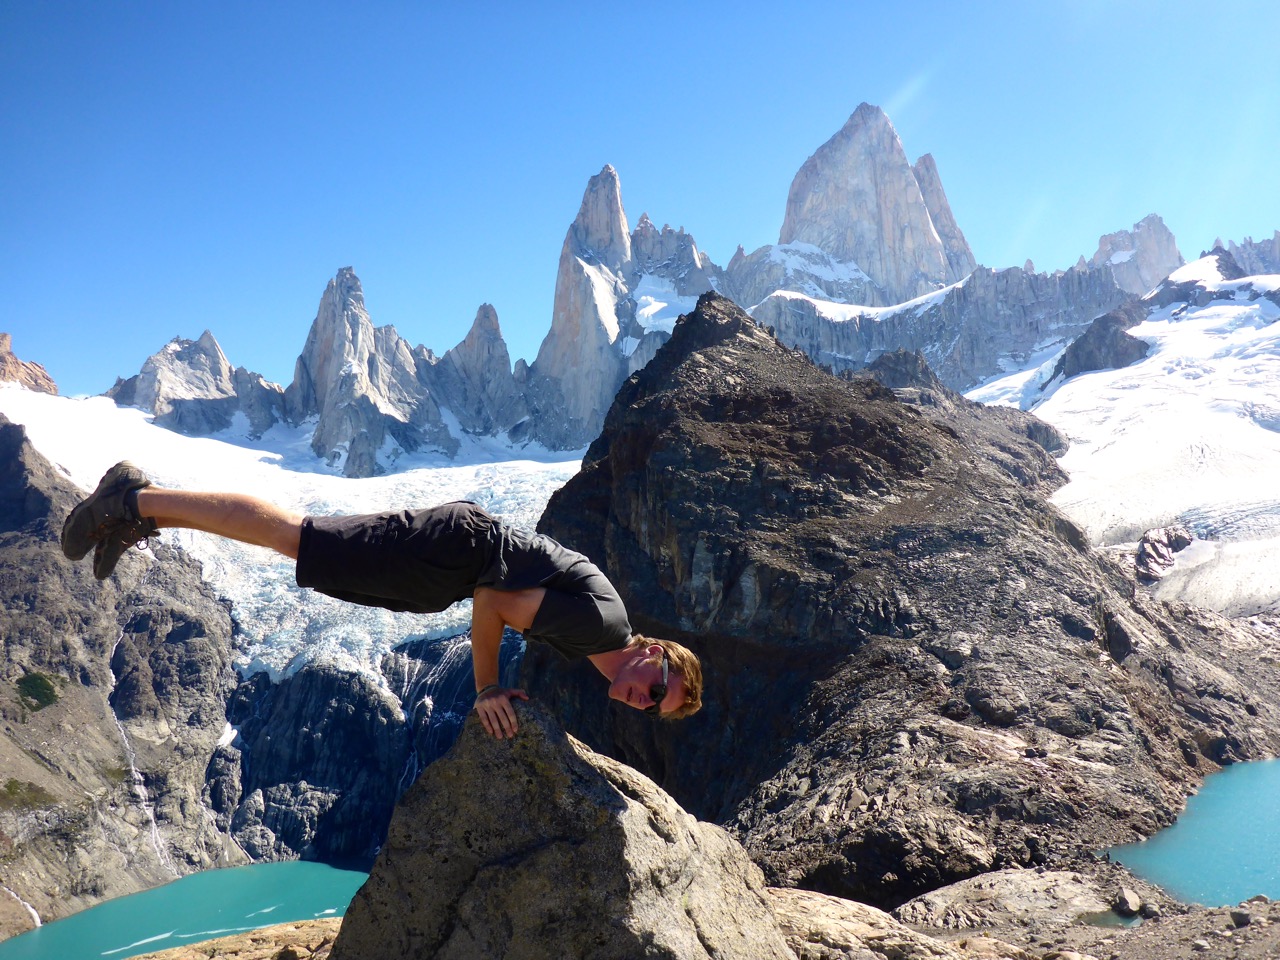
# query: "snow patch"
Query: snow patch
284,627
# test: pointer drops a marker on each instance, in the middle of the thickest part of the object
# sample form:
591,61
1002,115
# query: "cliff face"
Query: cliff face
858,199
111,702
1139,258
994,320
31,375
918,671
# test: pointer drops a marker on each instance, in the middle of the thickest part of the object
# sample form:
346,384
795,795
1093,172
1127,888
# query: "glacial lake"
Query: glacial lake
1225,848
202,906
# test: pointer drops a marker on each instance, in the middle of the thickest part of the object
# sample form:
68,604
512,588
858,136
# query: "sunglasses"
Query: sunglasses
658,692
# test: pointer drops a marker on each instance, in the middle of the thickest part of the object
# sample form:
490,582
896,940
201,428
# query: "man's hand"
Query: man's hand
496,712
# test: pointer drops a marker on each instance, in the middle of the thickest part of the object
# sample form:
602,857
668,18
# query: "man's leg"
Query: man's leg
234,515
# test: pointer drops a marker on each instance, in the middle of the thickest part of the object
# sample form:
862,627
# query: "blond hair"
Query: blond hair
686,663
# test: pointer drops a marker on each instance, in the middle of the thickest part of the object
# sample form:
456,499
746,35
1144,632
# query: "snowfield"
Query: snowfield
1189,435
280,625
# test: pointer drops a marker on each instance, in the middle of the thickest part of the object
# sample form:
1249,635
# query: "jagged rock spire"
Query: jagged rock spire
600,230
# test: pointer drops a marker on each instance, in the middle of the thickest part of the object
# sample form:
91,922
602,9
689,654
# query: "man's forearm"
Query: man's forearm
486,640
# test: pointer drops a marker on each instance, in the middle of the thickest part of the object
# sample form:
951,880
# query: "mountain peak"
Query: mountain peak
857,199
600,231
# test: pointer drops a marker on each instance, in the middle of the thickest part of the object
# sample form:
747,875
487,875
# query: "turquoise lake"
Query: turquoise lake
1225,847
215,903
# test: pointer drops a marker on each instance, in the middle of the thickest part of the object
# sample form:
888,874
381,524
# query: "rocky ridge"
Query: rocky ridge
936,675
863,228
31,375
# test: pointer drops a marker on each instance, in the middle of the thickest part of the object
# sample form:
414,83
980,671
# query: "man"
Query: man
418,561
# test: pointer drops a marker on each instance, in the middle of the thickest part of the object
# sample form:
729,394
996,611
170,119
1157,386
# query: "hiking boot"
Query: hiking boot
118,537
104,519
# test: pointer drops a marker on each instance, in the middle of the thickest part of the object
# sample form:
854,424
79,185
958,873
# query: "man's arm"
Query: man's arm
491,610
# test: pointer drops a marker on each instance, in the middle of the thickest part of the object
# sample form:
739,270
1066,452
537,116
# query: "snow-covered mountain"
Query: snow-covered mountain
1188,433
281,626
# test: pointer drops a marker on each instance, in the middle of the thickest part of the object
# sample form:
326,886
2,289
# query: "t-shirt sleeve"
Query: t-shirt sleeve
582,622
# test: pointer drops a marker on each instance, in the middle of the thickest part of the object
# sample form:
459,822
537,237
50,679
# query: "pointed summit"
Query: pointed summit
858,201
600,230
954,245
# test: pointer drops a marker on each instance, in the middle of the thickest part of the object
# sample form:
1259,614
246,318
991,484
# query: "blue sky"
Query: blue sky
171,167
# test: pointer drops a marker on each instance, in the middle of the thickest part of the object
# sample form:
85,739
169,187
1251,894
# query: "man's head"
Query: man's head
642,676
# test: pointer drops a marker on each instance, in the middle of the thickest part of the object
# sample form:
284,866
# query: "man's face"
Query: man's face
639,675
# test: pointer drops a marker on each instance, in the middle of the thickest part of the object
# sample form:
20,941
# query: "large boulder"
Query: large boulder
538,848
918,671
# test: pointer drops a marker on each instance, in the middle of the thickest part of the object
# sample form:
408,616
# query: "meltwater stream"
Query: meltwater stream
202,906
1225,848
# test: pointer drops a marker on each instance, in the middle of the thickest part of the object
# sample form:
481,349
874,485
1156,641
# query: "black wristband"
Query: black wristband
481,693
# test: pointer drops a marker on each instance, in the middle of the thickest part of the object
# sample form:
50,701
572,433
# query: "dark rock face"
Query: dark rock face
114,768
287,786
1104,345
917,669
1156,551
536,847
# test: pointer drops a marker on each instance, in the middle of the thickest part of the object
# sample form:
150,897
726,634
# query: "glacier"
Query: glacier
280,627
1190,435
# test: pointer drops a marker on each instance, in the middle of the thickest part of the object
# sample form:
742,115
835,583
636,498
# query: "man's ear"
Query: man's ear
654,650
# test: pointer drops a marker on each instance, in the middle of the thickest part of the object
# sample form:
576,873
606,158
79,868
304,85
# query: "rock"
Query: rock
538,846
1006,898
1257,257
192,388
822,927
578,367
286,787
863,566
1128,903
1141,258
31,375
365,387
301,940
1156,551
954,245
1241,918
475,381
1104,345
967,333
858,200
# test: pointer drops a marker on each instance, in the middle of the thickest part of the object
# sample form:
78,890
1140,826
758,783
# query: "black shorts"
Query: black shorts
410,561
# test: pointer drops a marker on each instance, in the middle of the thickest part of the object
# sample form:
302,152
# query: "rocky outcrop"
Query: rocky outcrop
993,321
1104,345
192,388
1002,432
578,368
31,375
363,386
858,200
539,847
1139,258
108,765
1157,550
933,674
